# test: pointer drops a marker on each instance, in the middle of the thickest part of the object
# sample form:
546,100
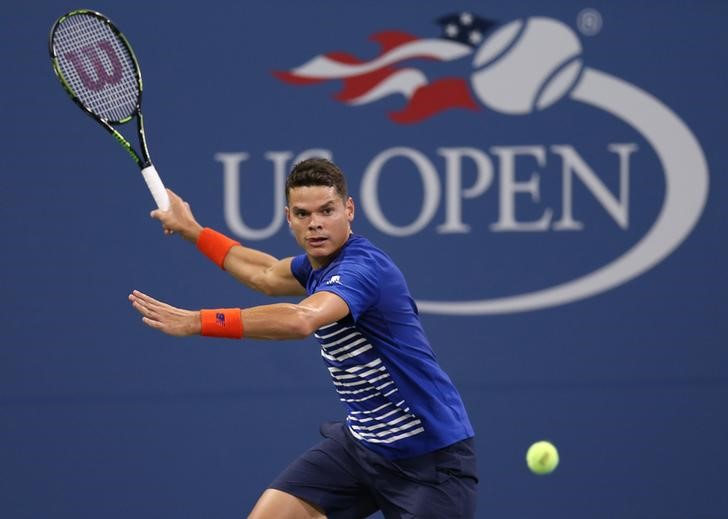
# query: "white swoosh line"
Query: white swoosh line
322,67
686,191
404,82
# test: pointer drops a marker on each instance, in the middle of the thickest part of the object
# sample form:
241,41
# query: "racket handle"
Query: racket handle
156,187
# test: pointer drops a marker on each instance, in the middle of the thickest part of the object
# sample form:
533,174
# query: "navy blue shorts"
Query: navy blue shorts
347,480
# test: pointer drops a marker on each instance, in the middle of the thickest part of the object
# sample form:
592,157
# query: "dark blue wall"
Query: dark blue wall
628,376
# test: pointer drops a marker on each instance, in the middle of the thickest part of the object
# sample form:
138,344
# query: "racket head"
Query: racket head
96,66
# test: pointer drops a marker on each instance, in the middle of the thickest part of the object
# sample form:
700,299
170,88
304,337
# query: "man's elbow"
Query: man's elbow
263,285
266,289
304,324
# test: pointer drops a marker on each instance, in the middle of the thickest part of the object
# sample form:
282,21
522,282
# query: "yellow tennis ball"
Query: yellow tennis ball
542,457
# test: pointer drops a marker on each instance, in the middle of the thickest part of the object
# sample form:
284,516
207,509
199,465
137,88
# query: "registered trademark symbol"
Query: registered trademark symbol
589,21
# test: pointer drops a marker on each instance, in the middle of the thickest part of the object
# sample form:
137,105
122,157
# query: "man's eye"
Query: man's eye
328,211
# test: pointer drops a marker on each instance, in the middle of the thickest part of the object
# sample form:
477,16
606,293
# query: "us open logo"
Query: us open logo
518,69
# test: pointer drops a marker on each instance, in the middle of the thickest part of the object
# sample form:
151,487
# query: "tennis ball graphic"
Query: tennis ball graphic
526,65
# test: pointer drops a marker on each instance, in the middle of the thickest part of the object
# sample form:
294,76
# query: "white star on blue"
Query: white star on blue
465,28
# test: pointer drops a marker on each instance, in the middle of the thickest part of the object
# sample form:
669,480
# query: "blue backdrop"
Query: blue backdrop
553,187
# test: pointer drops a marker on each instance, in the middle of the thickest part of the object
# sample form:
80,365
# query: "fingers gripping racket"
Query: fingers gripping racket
98,69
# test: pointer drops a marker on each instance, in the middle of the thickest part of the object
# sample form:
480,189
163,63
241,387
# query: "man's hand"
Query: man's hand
166,318
178,218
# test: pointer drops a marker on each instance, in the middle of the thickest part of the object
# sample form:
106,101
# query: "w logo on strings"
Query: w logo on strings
102,76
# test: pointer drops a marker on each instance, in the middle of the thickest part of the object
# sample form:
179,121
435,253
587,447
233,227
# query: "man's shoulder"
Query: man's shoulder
364,258
359,248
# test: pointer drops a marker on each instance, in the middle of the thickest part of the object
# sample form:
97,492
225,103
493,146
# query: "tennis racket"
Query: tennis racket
97,68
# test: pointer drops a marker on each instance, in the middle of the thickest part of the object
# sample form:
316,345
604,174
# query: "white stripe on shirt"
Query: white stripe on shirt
387,440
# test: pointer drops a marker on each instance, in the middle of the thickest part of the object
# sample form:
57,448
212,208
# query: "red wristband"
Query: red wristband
222,322
215,245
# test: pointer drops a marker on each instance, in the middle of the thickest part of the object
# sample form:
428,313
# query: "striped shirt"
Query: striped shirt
399,402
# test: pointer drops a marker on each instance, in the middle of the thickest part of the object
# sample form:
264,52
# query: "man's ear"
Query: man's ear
350,209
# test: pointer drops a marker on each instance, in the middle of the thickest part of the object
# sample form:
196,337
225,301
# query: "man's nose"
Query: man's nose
314,222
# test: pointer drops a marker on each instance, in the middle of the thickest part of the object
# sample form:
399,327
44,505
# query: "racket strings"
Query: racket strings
97,65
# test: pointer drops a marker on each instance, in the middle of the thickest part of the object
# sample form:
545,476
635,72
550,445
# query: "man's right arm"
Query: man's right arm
262,272
255,269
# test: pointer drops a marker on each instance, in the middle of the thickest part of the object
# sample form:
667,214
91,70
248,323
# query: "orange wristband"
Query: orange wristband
222,322
215,245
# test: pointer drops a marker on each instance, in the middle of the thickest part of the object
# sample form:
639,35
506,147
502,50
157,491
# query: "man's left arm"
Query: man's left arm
272,322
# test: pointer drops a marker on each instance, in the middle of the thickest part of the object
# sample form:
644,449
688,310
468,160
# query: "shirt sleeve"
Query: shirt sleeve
301,268
354,282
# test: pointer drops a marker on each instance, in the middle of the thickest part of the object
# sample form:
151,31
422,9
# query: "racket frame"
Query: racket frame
143,160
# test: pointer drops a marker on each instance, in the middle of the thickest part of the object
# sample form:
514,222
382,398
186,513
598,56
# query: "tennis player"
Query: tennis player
406,447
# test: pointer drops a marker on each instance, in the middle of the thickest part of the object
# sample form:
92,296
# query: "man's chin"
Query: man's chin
318,252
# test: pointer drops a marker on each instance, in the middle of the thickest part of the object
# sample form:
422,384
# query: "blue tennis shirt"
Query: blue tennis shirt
399,402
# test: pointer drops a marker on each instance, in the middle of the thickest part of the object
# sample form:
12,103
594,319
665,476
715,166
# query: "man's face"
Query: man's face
320,221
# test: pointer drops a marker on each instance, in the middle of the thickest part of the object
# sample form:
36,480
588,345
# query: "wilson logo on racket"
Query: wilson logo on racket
91,53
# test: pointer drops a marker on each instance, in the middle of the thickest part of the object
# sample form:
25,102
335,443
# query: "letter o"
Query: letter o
370,197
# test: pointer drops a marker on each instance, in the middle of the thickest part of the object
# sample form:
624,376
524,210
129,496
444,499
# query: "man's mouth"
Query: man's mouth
316,240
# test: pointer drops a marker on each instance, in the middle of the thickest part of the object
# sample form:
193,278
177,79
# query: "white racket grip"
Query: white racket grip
156,187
